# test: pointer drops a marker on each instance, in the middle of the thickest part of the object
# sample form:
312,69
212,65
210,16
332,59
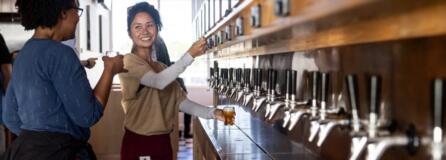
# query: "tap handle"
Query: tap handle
324,86
438,103
260,77
352,93
240,74
273,80
231,74
220,73
269,79
247,76
223,74
314,79
236,75
375,88
288,81
293,82
227,75
254,76
216,69
216,74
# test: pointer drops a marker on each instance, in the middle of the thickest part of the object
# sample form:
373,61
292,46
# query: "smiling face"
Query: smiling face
143,30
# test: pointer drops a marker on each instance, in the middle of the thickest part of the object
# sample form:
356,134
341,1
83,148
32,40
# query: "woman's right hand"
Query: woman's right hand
114,64
198,48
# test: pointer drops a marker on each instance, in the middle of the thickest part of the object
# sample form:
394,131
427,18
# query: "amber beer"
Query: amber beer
229,114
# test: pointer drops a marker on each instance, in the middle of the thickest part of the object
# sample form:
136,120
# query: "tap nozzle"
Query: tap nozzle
327,126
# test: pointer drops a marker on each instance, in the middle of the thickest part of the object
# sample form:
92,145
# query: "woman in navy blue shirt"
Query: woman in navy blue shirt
49,103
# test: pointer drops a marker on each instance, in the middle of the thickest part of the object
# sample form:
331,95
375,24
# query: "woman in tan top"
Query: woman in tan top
151,96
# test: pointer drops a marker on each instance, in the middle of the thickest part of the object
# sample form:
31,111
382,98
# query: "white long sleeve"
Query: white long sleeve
196,109
162,79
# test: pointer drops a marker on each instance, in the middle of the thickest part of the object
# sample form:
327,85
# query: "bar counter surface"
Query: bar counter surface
248,138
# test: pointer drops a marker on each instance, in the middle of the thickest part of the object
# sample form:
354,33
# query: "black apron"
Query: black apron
37,145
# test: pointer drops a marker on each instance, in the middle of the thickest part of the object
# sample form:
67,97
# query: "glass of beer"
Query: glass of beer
111,53
229,114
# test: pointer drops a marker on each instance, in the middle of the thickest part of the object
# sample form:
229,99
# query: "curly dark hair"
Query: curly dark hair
45,13
143,7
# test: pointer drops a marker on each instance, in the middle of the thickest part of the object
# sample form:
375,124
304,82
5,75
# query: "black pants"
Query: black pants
187,120
48,145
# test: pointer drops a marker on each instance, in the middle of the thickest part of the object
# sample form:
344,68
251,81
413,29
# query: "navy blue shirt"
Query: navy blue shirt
49,91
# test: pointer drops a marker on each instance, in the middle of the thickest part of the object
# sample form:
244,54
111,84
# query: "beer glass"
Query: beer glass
229,114
111,53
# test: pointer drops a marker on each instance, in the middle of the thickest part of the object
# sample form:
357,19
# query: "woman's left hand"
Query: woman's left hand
218,114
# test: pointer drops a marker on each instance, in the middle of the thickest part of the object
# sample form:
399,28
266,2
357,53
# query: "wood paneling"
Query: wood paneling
351,23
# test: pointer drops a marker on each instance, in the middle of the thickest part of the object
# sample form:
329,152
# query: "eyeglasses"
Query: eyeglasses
79,11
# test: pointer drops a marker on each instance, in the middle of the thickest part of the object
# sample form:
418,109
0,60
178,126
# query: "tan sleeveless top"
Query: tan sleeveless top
148,111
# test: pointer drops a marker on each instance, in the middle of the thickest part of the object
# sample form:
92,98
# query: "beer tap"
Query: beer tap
248,93
296,114
377,146
211,77
289,94
410,140
273,99
359,138
292,103
220,84
215,75
272,91
259,101
258,83
326,125
374,88
241,91
230,82
378,140
237,83
316,121
437,145
224,80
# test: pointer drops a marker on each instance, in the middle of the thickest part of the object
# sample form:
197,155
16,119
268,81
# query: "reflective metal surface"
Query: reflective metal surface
251,138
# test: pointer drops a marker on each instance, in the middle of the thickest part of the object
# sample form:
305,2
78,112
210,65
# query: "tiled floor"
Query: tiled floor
185,149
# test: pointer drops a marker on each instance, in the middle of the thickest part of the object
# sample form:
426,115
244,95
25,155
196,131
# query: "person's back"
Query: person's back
44,94
49,103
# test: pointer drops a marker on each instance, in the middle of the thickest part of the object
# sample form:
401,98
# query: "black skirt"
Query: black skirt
38,145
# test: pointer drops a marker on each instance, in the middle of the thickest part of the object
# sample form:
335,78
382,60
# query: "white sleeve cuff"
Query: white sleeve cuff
196,109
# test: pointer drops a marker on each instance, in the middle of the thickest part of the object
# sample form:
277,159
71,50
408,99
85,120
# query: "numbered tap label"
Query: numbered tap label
239,26
282,7
255,16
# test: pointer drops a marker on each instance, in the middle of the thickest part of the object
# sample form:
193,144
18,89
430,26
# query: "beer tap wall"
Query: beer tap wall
392,91
362,86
